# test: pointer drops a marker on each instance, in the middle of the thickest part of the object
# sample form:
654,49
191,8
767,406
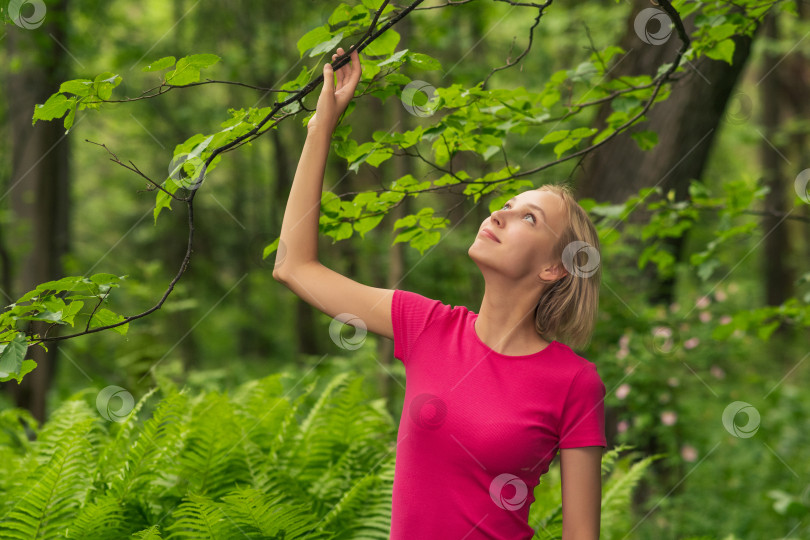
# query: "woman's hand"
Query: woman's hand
333,101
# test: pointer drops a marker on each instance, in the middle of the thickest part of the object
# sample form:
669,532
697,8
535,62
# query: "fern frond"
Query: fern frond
616,494
268,516
156,446
63,421
152,533
609,457
110,456
199,517
101,519
56,489
372,519
212,460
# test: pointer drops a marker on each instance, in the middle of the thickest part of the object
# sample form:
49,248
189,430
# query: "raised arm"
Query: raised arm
297,265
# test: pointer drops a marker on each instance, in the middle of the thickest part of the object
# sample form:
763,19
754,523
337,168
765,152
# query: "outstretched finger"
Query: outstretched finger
338,73
356,68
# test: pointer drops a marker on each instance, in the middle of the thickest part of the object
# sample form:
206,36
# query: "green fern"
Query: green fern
152,533
616,495
212,459
157,445
619,480
57,488
256,512
256,464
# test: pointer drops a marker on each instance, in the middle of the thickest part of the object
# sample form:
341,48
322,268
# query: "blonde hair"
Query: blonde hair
568,308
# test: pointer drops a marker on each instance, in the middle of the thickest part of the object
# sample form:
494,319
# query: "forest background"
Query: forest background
682,127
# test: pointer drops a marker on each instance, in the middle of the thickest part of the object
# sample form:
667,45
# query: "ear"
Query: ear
553,273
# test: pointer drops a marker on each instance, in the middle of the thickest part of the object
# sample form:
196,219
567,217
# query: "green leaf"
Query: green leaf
26,368
554,136
11,357
312,38
341,14
188,69
104,317
270,248
104,83
71,310
158,65
384,45
55,107
394,58
722,51
79,87
365,224
423,62
567,144
71,116
645,139
722,31
326,46
199,61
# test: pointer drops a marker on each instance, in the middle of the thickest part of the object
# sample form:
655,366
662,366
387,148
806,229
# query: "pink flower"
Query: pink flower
725,319
702,302
668,418
621,353
672,381
720,295
622,391
622,426
673,307
691,343
717,371
688,453
705,316
624,341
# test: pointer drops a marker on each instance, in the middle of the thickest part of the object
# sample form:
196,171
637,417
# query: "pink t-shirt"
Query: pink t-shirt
479,428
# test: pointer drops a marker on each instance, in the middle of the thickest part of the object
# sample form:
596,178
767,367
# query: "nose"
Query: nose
496,218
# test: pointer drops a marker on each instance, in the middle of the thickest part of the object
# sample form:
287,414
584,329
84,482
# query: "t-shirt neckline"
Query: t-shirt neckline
491,351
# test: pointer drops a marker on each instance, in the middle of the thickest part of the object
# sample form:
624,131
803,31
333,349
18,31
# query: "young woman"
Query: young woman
488,401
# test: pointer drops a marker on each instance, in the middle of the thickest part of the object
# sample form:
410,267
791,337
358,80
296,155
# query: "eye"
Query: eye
534,220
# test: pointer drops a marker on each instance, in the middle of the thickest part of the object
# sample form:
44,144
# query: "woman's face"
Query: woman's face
526,228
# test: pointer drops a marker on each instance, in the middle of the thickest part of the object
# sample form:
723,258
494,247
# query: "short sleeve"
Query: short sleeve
583,415
411,313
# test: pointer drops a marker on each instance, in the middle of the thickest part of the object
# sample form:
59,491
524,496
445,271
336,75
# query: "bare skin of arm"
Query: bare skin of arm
297,265
581,475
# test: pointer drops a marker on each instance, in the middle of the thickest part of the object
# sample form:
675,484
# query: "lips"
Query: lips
489,234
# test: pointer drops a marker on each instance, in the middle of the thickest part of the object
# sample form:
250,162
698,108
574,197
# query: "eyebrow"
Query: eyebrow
532,205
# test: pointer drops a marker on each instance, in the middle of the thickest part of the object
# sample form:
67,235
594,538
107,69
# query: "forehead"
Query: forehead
552,205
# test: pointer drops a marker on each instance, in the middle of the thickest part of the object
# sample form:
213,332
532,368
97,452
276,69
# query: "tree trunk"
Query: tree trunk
686,124
39,187
778,275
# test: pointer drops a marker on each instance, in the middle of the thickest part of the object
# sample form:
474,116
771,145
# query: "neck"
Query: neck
505,321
